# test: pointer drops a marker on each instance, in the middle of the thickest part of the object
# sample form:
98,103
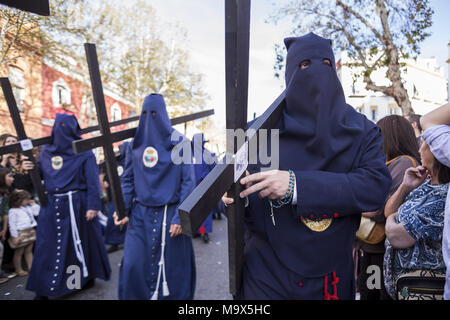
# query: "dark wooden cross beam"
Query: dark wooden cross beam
40,7
92,143
106,139
95,142
17,147
20,130
205,196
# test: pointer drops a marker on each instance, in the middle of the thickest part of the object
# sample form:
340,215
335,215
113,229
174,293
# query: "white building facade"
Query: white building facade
423,79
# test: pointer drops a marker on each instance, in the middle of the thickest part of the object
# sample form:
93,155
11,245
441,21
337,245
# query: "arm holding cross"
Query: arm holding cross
342,188
127,182
90,170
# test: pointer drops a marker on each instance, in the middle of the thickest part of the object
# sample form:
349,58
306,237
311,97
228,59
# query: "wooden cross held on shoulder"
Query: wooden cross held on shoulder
196,207
26,144
17,147
106,139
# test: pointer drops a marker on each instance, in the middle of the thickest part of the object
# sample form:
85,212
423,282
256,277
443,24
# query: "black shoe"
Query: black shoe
40,297
205,237
89,284
113,248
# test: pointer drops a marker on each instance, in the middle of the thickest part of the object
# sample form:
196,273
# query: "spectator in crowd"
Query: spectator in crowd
22,228
6,180
415,220
19,165
436,126
414,119
400,148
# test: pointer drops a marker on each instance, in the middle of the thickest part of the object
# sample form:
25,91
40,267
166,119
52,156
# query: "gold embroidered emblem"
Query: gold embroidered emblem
319,225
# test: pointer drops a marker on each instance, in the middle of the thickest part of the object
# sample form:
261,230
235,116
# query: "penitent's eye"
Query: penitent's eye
305,64
63,124
153,113
327,62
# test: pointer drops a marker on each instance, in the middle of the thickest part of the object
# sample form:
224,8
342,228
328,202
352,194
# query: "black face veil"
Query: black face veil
318,126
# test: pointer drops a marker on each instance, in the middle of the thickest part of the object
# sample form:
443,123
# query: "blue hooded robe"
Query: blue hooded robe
202,167
67,175
152,185
115,235
336,156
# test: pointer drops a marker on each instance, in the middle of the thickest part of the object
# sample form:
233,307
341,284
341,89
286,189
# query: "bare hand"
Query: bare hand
414,177
3,235
227,200
175,230
16,241
273,184
26,164
118,222
91,214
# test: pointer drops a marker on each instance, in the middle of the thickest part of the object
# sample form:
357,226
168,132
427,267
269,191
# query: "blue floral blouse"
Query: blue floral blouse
422,215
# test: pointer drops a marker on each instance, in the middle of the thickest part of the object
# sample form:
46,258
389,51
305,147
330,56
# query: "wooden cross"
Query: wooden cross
24,141
17,147
106,139
197,206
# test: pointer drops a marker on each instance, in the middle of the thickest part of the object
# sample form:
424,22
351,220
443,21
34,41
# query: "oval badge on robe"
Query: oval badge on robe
120,170
57,162
150,157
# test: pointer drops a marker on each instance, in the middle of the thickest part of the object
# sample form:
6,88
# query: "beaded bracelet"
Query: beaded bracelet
287,198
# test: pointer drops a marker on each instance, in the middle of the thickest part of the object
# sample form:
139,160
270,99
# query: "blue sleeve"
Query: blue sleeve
186,187
363,189
127,180
91,174
425,221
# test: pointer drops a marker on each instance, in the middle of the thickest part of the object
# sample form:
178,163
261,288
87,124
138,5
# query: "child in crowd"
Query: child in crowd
6,181
22,228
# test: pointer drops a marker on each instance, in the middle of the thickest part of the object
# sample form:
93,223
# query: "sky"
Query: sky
204,21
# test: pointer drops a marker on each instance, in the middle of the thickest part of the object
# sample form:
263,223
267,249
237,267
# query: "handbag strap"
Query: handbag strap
414,162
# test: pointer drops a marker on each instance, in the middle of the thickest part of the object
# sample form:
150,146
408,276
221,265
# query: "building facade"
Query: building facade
423,79
43,88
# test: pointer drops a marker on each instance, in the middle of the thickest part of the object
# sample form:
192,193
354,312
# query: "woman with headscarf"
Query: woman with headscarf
158,261
436,126
68,232
302,219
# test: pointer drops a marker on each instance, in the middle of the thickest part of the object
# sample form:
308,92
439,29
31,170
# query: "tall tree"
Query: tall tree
137,56
375,33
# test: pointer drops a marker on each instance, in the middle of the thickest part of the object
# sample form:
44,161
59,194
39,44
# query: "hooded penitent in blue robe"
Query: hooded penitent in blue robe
153,187
115,235
71,180
335,154
202,167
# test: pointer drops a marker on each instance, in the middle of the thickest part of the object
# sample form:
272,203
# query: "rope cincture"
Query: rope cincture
162,263
75,234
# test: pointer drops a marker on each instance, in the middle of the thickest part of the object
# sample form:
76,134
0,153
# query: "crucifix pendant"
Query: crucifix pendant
271,214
